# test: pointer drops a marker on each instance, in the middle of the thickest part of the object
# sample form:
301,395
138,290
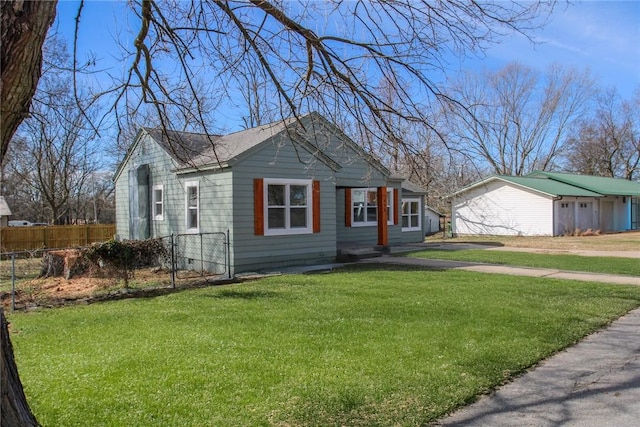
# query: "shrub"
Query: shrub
123,257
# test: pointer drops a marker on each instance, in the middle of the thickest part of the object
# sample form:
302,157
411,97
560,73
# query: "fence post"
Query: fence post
201,256
13,282
173,265
228,245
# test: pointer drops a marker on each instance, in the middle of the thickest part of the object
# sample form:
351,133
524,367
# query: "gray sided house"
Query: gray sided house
290,192
545,204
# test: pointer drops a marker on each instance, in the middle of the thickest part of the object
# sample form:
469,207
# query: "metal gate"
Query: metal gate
202,254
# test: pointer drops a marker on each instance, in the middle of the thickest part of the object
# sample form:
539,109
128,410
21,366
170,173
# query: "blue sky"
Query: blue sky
603,36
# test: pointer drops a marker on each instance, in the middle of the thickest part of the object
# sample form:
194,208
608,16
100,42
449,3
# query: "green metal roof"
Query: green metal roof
541,185
599,184
549,186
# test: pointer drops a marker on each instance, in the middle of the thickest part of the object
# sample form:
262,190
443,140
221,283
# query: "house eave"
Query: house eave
203,168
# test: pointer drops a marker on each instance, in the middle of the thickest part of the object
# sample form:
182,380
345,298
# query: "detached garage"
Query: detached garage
543,204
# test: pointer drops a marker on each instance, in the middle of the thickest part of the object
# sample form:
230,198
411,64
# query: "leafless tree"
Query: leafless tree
95,202
55,155
342,58
516,120
607,143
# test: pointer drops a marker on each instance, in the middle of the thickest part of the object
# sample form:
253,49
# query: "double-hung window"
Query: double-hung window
411,214
364,206
288,207
192,207
158,202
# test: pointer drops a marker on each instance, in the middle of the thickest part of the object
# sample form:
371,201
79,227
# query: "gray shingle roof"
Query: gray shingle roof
196,150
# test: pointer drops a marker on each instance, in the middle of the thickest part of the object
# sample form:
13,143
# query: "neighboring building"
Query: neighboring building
432,220
288,193
545,204
5,212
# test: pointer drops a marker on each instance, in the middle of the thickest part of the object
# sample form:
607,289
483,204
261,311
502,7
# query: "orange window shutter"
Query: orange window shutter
347,207
316,206
383,232
395,206
258,206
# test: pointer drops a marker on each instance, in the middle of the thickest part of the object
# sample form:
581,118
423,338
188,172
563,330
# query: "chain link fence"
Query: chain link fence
16,267
188,258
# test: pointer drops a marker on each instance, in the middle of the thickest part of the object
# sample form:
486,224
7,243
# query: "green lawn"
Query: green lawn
365,346
611,265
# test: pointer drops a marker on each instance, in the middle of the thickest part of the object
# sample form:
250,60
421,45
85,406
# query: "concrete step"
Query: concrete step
355,254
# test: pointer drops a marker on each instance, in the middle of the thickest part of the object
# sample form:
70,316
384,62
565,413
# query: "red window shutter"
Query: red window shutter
258,206
395,206
316,206
347,207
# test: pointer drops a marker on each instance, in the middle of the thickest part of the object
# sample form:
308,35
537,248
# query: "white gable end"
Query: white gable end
499,208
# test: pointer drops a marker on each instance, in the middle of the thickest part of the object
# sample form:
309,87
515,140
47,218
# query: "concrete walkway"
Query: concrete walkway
509,270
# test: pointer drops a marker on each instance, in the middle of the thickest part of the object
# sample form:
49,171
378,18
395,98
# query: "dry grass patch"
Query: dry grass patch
627,241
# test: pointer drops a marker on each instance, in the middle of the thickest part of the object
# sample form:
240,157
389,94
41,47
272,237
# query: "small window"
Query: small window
192,207
158,201
411,215
564,205
288,206
583,205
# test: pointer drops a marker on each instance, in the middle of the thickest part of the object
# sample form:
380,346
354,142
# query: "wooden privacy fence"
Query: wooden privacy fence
51,237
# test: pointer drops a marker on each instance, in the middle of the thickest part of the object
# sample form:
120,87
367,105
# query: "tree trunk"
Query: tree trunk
24,28
15,409
64,262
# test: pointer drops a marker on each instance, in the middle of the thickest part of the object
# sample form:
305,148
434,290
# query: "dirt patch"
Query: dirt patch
54,291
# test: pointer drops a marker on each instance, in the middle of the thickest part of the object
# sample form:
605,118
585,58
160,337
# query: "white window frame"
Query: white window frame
419,214
288,230
156,202
367,223
390,207
187,185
